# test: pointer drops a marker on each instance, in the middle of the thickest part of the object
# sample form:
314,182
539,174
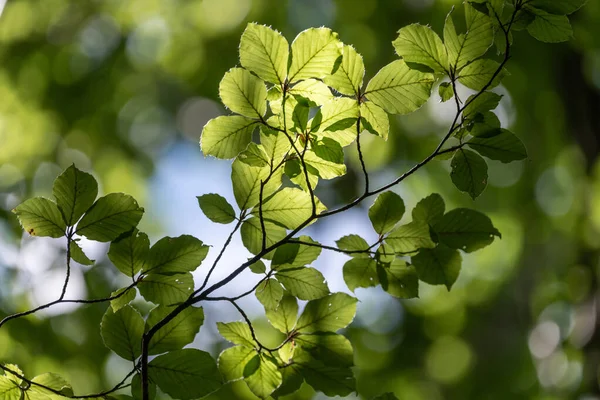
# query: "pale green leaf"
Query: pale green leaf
175,255
255,156
122,332
469,172
467,47
285,315
109,217
216,208
75,192
375,119
327,314
269,293
226,136
41,217
129,253
252,234
481,73
446,91
295,171
313,90
292,381
326,156
258,267
398,89
360,273
302,282
505,147
386,211
243,93
355,244
9,390
337,119
265,52
247,180
233,361
314,52
410,237
438,266
550,28
185,374
166,289
289,207
275,144
78,255
465,229
126,296
348,77
178,332
52,381
399,279
420,44
262,376
237,333
485,125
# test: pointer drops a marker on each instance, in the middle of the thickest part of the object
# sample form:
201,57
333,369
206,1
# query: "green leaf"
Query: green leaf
292,380
296,254
314,52
129,253
262,376
75,192
233,360
275,144
480,103
166,289
399,279
336,120
255,156
109,217
420,44
550,28
13,377
269,293
41,217
226,136
430,209
177,333
386,211
285,315
295,113
122,332
465,229
246,181
479,74
294,171
410,237
265,52
464,48
485,125
330,348
327,314
52,381
560,7
386,396
252,233
446,91
327,158
136,388
353,243
398,89
216,208
375,119
237,333
258,267
78,255
505,147
439,266
331,380
9,390
175,255
243,93
303,283
289,207
123,299
469,172
185,374
313,90
348,77
360,272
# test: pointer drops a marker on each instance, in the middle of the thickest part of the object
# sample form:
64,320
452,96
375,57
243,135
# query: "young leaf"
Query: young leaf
78,255
166,289
243,93
233,361
262,376
124,299
399,279
559,7
176,255
479,73
465,229
258,267
303,283
550,28
505,147
226,136
12,377
122,332
438,266
410,237
312,90
216,208
375,119
430,209
269,293
420,44
296,254
398,89
246,180
353,243
469,172
285,315
348,77
446,91
185,374
75,192
52,381
252,233
275,144
129,252
326,157
360,272
109,217
177,333
237,333
336,120
41,217
386,211
330,348
289,207
314,52
9,390
327,314
265,52
464,48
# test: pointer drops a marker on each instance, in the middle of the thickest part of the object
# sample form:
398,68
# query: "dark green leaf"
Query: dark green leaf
296,254
481,103
216,208
41,217
399,279
439,266
129,252
469,172
258,267
560,7
175,255
505,147
292,380
354,243
75,192
78,255
330,348
327,314
550,28
303,283
465,229
410,237
166,289
386,211
386,396
122,332
360,272
430,209
177,333
136,388
331,380
481,73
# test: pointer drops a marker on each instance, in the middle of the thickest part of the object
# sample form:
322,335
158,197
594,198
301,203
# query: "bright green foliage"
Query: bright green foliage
420,44
353,243
269,293
236,333
446,91
262,375
469,172
375,119
244,93
166,289
303,283
398,279
252,235
465,229
285,315
175,255
227,136
360,272
247,180
314,52
52,381
41,217
348,77
233,360
296,254
129,252
9,390
258,267
327,314
122,332
216,208
75,192
481,74
289,207
178,332
264,52
185,374
78,255
410,237
123,299
438,266
387,210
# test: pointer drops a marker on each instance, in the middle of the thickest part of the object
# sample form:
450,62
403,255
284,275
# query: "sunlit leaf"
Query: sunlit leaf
410,237
129,252
386,211
446,91
302,282
313,90
243,93
233,360
355,244
480,103
375,119
75,192
327,158
269,293
285,315
328,347
262,376
237,333
166,289
177,333
336,119
360,272
252,235
78,255
314,52
505,147
226,136
9,390
247,180
175,255
327,314
399,279
265,52
122,332
480,73
430,209
127,297
348,77
289,207
296,254
420,44
41,217
216,208
467,47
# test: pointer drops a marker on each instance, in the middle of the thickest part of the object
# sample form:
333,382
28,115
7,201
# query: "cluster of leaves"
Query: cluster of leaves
308,102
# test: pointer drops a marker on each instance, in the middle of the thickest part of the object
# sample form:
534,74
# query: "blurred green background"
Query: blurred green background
122,88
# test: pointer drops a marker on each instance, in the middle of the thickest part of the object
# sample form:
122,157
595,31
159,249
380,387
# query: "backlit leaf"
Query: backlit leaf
265,52
166,289
375,119
410,237
420,44
348,77
479,74
177,333
465,229
289,207
314,52
264,377
327,314
438,266
430,209
41,217
251,232
269,293
386,211
75,192
550,28
237,333
122,332
243,93
360,272
505,147
216,208
226,136
399,279
302,282
129,252
233,360
285,315
469,172
175,255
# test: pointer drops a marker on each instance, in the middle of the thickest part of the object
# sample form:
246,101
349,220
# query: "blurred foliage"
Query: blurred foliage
111,85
